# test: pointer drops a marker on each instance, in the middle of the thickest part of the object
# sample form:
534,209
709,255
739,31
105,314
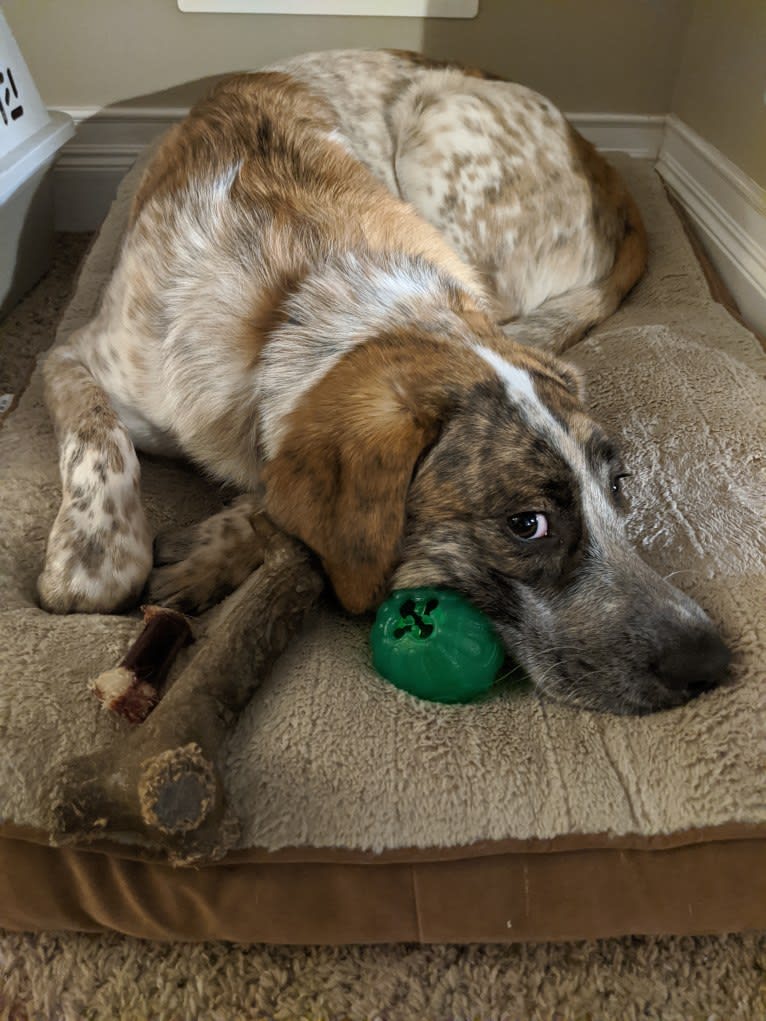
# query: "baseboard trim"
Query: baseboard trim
91,166
728,210
108,142
725,205
636,134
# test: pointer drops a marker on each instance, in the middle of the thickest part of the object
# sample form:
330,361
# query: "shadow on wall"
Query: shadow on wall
596,55
610,56
107,144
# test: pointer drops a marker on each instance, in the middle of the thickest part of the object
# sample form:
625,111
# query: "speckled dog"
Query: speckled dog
328,272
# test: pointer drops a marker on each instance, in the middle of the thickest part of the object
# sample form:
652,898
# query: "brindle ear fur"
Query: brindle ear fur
570,377
573,379
339,482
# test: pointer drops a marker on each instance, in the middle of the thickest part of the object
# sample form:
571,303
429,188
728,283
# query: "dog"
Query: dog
344,289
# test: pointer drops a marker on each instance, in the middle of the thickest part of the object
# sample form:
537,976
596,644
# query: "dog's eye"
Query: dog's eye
616,484
529,525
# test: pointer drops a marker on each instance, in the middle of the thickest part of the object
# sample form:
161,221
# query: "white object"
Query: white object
30,138
346,8
729,210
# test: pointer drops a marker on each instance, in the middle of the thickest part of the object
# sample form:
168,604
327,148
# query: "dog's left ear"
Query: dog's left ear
340,480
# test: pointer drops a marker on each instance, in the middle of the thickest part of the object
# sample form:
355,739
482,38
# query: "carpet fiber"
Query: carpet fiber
79,978
30,327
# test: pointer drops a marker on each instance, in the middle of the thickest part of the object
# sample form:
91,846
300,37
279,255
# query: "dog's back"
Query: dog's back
282,171
254,209
496,167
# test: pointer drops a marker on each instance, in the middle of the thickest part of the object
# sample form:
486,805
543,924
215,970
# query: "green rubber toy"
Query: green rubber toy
436,645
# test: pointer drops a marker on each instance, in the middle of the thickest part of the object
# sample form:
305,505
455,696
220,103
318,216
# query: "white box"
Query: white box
30,138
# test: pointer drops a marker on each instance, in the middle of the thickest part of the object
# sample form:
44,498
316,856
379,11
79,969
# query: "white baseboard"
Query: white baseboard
636,134
107,143
727,208
90,167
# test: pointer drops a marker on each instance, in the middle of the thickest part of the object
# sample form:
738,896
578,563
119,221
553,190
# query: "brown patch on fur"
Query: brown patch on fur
557,394
268,315
252,119
310,194
225,127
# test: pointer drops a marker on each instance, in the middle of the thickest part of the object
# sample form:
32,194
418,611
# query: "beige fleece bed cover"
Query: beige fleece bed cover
371,816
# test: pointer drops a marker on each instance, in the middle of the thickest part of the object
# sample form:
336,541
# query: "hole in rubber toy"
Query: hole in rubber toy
435,645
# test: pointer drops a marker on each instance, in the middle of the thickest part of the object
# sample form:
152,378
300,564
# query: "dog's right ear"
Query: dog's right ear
340,477
569,376
572,378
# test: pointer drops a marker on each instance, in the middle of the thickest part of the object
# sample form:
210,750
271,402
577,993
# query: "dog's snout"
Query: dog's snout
692,662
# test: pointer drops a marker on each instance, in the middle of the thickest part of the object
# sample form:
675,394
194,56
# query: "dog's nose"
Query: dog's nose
693,662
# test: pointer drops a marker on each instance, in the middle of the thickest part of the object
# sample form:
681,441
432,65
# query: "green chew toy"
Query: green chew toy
436,645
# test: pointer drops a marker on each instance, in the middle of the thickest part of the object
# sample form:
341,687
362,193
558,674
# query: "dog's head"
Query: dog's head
477,467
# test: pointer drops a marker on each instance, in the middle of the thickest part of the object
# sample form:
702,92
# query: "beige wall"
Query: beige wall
603,55
703,59
721,87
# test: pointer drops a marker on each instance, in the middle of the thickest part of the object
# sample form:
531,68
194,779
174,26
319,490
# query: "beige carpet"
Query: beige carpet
30,327
74,978
68,977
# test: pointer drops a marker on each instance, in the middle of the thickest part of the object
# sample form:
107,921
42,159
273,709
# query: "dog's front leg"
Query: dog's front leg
99,551
199,565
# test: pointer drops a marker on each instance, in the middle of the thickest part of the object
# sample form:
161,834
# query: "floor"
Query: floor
29,328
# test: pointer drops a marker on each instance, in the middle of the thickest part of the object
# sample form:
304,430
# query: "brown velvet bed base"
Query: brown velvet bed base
570,888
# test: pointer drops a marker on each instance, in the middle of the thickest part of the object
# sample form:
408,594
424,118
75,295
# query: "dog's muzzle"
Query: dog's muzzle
622,639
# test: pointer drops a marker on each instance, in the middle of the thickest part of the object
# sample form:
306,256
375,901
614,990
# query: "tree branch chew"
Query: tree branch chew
160,786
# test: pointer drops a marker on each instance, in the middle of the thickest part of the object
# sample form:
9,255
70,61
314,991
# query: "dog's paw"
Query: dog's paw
191,586
95,562
197,566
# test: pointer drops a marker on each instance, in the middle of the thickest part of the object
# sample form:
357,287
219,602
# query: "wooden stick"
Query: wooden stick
160,785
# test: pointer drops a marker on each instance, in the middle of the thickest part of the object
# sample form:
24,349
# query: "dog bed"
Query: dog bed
369,816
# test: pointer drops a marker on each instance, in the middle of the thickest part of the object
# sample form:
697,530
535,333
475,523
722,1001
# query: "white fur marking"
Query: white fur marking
601,515
517,381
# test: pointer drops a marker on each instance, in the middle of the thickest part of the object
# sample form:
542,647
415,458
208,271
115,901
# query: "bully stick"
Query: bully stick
132,688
